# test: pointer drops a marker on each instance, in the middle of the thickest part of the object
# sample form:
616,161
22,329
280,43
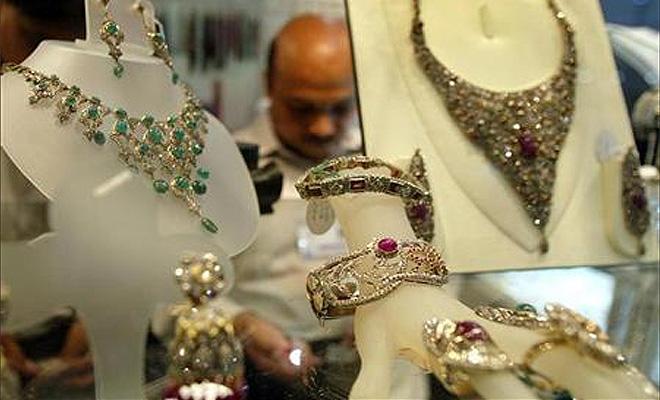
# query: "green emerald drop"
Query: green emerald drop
161,186
147,120
526,307
203,173
121,126
199,187
118,70
181,182
197,149
121,113
178,152
209,225
175,78
156,135
179,135
191,124
74,89
99,138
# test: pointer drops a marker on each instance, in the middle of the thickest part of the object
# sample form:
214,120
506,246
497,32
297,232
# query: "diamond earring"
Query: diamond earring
156,38
112,35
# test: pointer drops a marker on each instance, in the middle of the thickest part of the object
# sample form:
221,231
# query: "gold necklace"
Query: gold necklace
521,132
165,151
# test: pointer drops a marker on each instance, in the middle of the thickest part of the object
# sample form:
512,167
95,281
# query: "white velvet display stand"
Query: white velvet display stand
392,326
115,242
502,45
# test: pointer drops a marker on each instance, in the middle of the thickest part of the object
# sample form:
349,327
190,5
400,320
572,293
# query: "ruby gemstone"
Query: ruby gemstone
471,331
387,245
358,184
420,211
528,146
639,200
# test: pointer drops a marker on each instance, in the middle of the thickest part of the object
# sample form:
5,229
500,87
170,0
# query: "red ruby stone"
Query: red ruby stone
358,184
528,146
420,211
471,331
639,200
387,245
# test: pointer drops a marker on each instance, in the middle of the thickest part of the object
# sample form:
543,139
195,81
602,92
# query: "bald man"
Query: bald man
309,81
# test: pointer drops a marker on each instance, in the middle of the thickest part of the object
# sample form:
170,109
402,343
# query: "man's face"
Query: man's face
312,98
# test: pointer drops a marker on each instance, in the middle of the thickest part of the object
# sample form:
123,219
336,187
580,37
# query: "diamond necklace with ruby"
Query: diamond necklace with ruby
165,151
521,132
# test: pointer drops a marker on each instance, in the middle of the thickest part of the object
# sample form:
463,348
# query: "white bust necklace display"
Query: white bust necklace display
117,234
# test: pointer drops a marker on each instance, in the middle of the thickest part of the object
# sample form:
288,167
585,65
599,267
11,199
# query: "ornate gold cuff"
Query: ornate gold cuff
324,181
369,274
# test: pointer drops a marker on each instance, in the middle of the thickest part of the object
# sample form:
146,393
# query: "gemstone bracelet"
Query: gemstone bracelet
324,181
369,274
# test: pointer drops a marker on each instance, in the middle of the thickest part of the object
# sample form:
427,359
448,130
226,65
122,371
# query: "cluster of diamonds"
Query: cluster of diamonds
521,132
325,181
366,275
165,151
635,204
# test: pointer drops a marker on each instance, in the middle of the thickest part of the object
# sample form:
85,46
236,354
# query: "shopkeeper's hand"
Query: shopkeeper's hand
270,349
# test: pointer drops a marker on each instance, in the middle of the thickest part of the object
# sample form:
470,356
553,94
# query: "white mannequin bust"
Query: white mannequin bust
115,242
44,150
500,45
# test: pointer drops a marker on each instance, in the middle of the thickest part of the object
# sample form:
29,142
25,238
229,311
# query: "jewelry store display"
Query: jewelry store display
111,33
338,287
461,347
156,38
166,151
204,347
635,204
521,132
324,181
565,327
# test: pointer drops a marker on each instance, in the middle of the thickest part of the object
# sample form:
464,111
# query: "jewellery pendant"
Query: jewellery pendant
111,33
320,216
166,151
521,132
635,203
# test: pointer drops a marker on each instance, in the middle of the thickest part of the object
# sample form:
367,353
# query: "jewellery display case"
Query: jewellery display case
496,236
